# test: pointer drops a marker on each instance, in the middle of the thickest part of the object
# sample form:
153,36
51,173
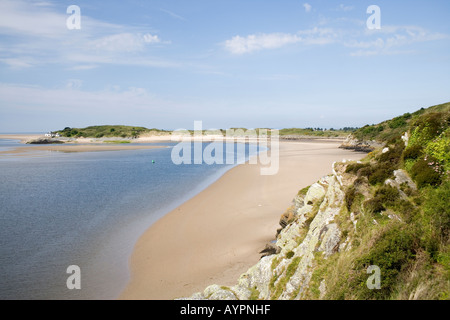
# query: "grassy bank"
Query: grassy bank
404,230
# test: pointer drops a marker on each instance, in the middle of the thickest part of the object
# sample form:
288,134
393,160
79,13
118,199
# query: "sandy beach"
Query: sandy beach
216,236
85,145
72,148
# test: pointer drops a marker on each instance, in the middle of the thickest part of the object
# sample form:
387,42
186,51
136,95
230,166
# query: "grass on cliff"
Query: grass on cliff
106,131
316,132
386,130
405,232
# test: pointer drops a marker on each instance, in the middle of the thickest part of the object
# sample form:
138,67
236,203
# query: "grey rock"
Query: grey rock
271,248
314,194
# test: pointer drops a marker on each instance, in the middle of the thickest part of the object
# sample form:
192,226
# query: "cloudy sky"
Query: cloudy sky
228,63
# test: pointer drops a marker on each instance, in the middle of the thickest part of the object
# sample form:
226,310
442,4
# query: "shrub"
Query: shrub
440,149
429,126
359,181
385,196
387,163
379,175
397,122
437,209
355,167
365,171
388,195
394,154
374,205
381,171
392,253
413,152
424,175
350,194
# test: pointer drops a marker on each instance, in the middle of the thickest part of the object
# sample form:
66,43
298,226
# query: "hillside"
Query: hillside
106,131
375,229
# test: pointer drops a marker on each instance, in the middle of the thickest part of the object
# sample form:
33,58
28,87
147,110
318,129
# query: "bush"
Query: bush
387,163
399,121
392,253
413,152
440,149
359,181
437,209
365,172
385,196
379,175
374,205
394,154
388,195
423,174
355,167
428,127
350,194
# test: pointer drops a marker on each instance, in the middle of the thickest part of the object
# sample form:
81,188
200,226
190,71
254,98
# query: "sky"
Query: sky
227,63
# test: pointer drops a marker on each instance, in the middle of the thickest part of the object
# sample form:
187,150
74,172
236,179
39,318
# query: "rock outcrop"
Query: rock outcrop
308,231
45,141
353,143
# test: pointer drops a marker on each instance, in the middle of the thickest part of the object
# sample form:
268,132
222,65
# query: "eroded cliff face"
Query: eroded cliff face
389,212
352,143
309,232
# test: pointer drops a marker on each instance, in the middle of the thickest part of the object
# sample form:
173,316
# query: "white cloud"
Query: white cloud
251,43
17,63
240,45
70,98
389,40
30,19
343,7
36,29
307,7
123,42
148,38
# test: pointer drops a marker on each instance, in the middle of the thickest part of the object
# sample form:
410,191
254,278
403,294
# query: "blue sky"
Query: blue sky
228,63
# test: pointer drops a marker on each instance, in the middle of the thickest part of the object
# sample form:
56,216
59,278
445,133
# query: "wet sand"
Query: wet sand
216,236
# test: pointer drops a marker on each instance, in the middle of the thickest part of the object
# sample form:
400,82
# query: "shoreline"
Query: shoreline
216,236
21,151
81,146
24,138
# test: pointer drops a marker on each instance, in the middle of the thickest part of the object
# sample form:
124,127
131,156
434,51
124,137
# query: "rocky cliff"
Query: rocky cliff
309,231
388,213
353,143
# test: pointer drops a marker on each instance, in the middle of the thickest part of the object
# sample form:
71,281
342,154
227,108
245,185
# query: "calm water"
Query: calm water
86,209
9,144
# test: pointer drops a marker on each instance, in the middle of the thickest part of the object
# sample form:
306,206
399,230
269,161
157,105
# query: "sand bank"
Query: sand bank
38,149
216,236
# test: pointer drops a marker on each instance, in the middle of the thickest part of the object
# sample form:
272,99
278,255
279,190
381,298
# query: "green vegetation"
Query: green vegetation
117,141
278,284
106,131
411,246
385,130
316,132
120,131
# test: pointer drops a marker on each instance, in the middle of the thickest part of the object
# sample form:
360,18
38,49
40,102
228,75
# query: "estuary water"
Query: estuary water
86,209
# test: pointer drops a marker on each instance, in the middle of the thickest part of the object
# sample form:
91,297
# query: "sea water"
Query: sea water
85,209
